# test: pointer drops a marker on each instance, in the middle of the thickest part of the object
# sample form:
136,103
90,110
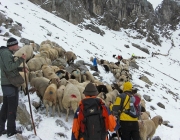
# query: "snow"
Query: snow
163,69
155,3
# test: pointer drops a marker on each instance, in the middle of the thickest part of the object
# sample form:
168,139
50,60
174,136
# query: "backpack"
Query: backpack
93,119
135,108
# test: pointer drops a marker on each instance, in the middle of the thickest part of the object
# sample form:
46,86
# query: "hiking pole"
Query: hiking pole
27,93
118,135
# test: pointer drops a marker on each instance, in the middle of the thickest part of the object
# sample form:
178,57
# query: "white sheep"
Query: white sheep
35,64
48,72
27,50
60,94
77,74
71,98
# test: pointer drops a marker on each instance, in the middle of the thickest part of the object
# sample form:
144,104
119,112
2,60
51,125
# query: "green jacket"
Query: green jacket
8,65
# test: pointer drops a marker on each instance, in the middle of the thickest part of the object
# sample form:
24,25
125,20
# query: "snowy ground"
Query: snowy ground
162,68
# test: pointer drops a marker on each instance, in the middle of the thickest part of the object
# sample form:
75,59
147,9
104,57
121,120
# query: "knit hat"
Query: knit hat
11,42
90,90
127,86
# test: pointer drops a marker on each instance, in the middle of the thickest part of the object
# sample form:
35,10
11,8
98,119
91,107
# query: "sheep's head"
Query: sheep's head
55,81
32,75
63,82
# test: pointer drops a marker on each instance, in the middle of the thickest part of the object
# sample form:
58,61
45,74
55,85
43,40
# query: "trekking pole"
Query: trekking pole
118,135
27,93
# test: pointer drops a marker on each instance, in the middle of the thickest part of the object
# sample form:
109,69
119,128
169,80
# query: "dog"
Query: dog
147,128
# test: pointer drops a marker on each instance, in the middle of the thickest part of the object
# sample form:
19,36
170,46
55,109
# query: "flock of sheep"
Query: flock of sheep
147,126
61,89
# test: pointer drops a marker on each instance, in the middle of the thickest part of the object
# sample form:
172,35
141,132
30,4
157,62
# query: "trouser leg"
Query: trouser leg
96,68
135,131
3,113
11,116
9,108
125,130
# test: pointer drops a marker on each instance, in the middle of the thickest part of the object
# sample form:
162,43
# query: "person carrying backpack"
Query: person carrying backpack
92,120
127,109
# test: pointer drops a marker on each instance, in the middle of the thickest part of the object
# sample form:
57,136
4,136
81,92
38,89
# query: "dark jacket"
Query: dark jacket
8,65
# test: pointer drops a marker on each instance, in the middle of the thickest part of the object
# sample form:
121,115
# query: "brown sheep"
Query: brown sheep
50,96
70,57
147,128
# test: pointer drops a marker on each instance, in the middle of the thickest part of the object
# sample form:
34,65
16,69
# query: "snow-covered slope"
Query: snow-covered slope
164,70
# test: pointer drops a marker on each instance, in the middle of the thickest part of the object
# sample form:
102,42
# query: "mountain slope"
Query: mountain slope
164,69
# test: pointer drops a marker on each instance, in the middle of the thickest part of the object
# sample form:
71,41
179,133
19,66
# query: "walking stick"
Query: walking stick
27,93
118,135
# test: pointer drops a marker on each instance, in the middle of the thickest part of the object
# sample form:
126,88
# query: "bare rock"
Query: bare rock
147,98
145,79
161,105
61,124
23,115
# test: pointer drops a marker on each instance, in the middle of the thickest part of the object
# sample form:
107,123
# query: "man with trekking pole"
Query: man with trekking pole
10,92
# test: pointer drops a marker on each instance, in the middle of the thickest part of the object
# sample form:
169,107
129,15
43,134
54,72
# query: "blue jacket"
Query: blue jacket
94,62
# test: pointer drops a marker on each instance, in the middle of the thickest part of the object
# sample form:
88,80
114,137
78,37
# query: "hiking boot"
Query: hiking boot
3,132
11,134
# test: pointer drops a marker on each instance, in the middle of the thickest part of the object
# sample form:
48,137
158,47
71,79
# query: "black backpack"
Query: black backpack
93,121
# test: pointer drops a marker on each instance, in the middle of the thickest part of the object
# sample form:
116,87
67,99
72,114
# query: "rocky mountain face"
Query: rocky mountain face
169,13
112,13
115,14
134,14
